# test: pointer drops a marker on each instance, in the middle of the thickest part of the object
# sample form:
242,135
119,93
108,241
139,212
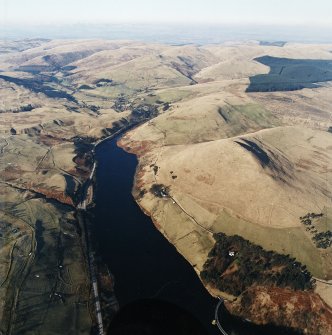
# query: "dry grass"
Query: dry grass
219,186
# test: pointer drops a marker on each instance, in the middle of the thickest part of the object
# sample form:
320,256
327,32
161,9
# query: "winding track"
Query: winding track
216,316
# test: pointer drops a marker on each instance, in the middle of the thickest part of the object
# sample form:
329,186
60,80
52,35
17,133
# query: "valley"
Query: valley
223,147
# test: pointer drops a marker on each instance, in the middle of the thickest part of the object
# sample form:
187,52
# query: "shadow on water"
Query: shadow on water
145,265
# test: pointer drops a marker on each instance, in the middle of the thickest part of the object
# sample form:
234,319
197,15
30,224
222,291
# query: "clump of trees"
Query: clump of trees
104,82
144,112
307,219
26,108
234,264
159,190
166,106
121,103
322,240
83,150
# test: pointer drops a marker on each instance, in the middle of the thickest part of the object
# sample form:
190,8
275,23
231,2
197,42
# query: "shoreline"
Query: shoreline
81,210
229,301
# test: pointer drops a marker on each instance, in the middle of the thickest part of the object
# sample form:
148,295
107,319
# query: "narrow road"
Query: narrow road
217,318
82,204
92,272
175,201
93,171
327,282
91,261
2,148
96,294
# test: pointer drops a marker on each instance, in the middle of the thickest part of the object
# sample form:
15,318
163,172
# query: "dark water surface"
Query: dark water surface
143,262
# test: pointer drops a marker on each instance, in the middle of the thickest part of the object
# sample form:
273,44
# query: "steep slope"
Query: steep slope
258,178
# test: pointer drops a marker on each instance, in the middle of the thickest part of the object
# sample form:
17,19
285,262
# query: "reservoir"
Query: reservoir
145,265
